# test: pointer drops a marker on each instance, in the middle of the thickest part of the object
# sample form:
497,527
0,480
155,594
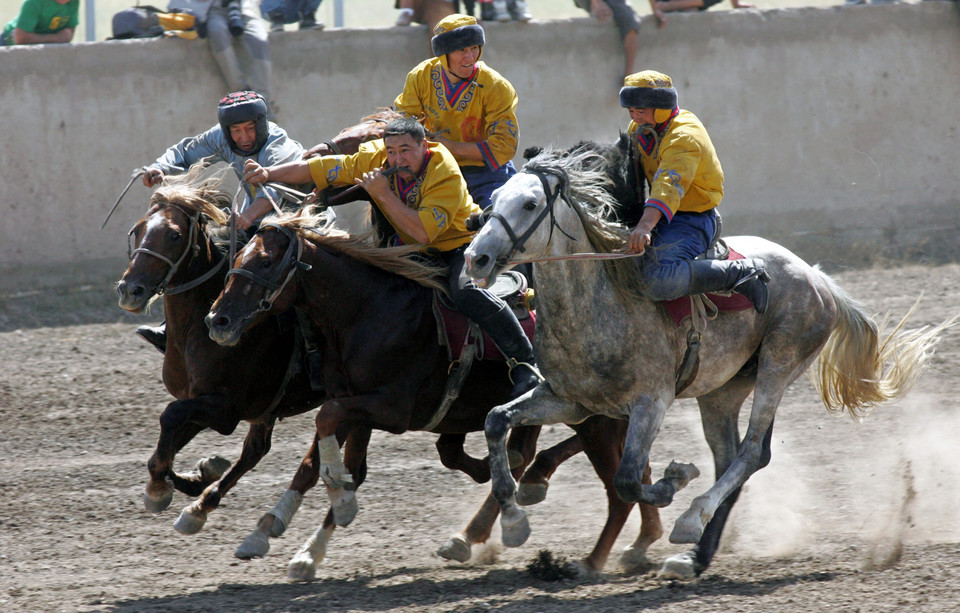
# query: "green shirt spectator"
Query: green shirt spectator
42,22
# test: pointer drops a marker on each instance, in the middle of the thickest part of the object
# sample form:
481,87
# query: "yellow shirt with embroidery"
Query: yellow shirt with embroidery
439,194
683,170
482,110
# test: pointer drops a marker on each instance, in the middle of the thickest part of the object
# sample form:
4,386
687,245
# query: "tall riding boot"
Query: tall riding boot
156,336
745,276
507,333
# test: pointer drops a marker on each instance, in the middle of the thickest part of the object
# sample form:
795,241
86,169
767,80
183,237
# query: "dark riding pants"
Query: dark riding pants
666,266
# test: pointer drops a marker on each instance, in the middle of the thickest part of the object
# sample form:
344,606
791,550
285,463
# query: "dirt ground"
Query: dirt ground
848,517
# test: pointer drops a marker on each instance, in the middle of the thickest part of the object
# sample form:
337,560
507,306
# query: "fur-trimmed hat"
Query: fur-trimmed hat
455,32
648,90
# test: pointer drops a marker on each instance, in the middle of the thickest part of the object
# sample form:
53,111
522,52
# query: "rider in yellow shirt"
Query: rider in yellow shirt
679,215
468,107
427,203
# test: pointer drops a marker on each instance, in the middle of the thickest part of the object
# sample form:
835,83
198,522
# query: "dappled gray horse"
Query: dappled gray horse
604,349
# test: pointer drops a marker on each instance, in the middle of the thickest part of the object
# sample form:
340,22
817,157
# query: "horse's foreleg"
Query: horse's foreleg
175,432
537,408
303,565
255,446
645,418
275,521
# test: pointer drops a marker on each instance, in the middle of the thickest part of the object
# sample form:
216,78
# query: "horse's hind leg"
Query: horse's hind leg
453,456
255,446
522,445
719,412
535,481
603,440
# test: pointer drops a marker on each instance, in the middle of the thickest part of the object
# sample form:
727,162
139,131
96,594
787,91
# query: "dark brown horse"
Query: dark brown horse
215,387
384,369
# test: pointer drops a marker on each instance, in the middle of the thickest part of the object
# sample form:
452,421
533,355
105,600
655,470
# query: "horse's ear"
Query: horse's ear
532,152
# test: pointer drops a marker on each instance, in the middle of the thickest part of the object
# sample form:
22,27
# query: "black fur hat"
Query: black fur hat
648,90
456,32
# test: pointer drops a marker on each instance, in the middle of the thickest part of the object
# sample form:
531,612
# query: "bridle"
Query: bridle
192,246
291,259
518,242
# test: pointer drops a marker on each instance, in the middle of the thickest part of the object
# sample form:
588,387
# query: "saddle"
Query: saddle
681,308
465,342
455,331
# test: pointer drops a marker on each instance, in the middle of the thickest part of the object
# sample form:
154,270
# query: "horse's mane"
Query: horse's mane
383,115
587,185
195,192
395,260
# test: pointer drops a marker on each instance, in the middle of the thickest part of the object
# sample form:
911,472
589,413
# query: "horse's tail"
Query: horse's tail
862,365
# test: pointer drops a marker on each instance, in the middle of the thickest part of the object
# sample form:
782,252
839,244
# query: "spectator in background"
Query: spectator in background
428,12
504,10
660,8
42,22
626,20
468,107
238,42
280,12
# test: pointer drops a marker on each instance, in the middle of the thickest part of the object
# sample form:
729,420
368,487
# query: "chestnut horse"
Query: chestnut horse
384,367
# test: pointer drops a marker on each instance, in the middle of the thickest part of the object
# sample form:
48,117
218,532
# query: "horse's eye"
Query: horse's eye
266,264
175,236
530,205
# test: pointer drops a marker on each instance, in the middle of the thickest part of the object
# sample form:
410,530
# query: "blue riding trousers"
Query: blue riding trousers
666,264
481,181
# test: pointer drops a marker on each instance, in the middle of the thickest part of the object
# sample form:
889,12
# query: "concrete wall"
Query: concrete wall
837,128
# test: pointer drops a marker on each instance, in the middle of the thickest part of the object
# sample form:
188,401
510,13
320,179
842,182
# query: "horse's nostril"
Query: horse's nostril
482,261
138,290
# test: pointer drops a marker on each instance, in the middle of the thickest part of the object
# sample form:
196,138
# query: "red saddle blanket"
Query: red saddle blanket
679,308
457,325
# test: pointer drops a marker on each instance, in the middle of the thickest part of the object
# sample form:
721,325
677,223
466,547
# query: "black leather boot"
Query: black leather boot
745,276
156,336
507,333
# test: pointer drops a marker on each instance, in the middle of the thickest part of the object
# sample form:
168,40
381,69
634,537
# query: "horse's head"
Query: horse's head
259,283
514,227
370,128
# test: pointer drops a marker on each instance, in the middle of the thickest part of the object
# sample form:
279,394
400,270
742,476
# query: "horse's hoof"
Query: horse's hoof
256,545
681,474
531,493
346,509
514,458
190,522
301,568
681,566
514,528
579,569
456,548
211,469
635,560
689,527
156,505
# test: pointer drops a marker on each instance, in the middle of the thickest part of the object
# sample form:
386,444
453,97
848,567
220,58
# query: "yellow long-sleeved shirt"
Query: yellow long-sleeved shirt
481,110
438,194
681,165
